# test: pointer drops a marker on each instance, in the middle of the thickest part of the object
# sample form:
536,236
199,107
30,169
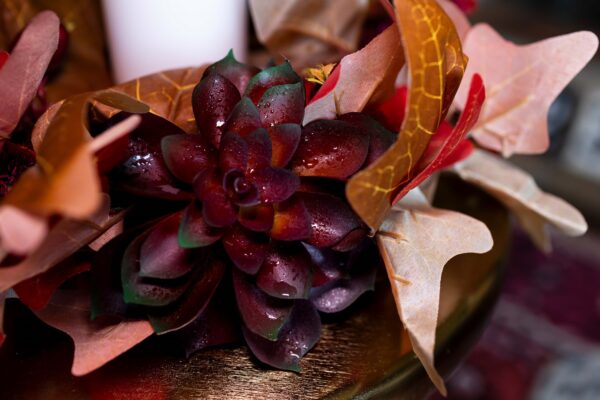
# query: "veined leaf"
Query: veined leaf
436,63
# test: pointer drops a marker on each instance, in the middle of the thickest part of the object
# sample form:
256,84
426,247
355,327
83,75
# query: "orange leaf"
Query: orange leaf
96,342
518,191
168,94
416,241
435,61
522,83
360,76
65,179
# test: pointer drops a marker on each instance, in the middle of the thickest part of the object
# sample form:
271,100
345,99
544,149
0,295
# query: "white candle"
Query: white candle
148,36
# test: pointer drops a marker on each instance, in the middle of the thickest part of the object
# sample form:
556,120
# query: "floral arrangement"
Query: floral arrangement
219,202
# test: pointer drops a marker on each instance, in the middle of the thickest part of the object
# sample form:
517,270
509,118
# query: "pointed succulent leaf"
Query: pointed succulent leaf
160,256
259,149
233,154
284,139
298,336
186,155
275,184
237,73
145,172
380,139
332,149
217,209
282,104
282,74
194,231
205,281
145,291
329,265
244,119
286,272
245,248
332,219
213,99
262,314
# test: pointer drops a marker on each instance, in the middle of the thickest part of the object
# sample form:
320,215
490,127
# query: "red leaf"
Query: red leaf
37,291
22,73
439,151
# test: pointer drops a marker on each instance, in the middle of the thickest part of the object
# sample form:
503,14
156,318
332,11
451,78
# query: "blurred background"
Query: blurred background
543,341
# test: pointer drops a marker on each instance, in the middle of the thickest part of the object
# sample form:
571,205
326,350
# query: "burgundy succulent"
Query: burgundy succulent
267,208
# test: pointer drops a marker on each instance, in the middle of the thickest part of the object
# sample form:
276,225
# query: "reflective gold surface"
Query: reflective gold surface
362,354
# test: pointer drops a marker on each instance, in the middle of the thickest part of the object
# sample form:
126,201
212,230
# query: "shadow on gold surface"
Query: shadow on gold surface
364,353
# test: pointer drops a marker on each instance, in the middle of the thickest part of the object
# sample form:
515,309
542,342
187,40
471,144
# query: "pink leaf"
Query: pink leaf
518,191
362,77
416,241
522,83
20,232
22,73
96,342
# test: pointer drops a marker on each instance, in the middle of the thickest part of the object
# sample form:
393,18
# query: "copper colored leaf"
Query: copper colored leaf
96,342
461,22
435,63
518,191
65,180
309,32
522,84
361,75
169,95
64,239
416,241
22,73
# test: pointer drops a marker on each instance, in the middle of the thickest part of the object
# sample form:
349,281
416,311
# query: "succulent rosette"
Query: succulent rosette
266,221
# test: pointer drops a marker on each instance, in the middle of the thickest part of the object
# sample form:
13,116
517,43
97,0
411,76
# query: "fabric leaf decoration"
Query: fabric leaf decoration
416,241
518,191
435,62
522,84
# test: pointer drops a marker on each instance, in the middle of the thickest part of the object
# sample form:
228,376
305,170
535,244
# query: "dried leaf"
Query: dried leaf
22,73
435,60
360,76
309,32
168,94
96,342
522,84
65,180
416,241
518,191
461,22
64,239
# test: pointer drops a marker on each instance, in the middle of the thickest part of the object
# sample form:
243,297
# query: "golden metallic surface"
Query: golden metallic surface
362,354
